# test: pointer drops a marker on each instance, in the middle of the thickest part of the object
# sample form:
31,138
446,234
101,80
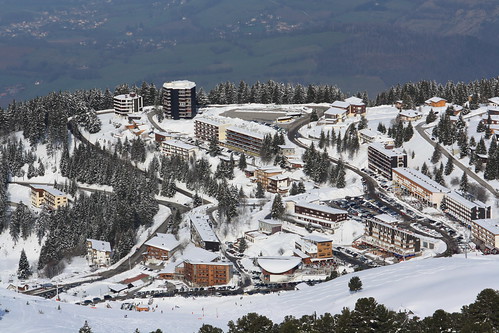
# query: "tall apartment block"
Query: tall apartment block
179,99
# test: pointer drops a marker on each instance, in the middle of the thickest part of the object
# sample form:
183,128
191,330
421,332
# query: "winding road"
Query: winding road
421,130
371,186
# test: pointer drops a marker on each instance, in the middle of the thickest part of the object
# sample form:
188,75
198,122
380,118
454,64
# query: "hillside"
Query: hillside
418,286
359,45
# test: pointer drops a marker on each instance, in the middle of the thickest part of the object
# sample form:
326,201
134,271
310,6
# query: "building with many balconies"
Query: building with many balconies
485,233
412,182
390,238
179,99
178,148
47,196
464,210
315,246
322,215
382,160
208,128
98,253
127,103
205,274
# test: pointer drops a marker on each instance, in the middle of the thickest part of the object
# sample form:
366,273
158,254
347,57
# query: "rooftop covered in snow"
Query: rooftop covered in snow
278,265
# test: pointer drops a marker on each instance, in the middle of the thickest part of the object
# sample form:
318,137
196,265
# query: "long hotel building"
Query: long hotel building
418,185
464,210
486,231
388,237
206,128
244,140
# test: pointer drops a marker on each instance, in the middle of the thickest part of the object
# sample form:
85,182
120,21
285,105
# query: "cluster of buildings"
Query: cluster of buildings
340,110
392,164
179,101
491,117
197,266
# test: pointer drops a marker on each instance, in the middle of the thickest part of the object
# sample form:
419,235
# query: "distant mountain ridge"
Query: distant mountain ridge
358,45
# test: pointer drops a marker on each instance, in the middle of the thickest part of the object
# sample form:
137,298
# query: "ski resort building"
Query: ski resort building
335,115
494,101
278,269
127,103
47,196
389,238
287,150
464,210
369,136
485,233
243,140
161,247
264,174
205,274
207,128
278,184
314,246
269,227
382,160
436,102
174,270
356,106
412,182
409,115
98,253
322,215
178,148
179,99
202,234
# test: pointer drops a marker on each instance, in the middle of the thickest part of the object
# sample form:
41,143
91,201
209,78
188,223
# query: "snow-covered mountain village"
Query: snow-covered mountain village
176,210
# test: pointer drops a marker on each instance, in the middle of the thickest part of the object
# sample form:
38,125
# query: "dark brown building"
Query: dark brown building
207,273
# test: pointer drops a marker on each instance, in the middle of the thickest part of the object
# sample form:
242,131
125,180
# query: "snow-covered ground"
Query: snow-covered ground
419,286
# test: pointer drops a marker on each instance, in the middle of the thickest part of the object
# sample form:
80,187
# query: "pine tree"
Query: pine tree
340,179
85,328
363,123
480,127
243,245
449,167
439,177
260,192
277,207
431,117
314,116
480,147
23,271
436,155
214,149
242,162
294,189
301,187
463,184
425,170
355,284
197,200
322,140
490,171
408,132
